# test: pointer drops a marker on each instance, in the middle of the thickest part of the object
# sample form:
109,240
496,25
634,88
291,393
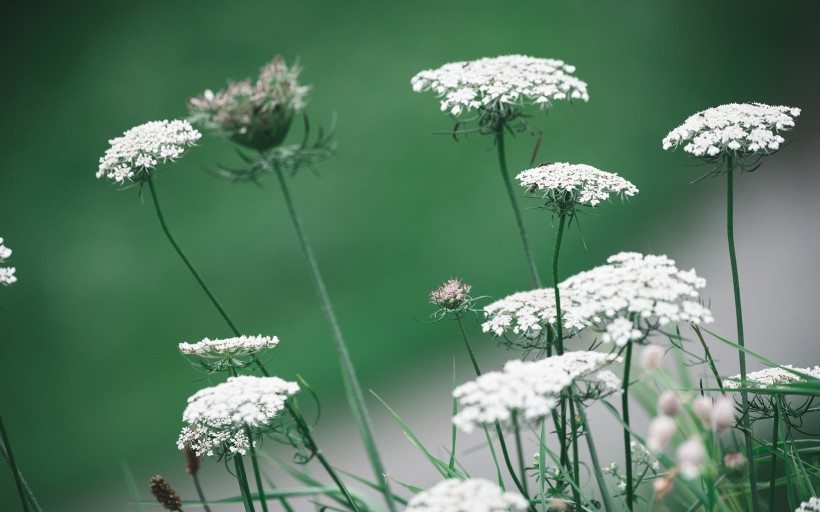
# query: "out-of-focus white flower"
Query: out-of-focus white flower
736,129
669,404
450,295
734,461
661,430
723,414
691,457
652,356
566,186
771,377
702,406
471,495
219,416
527,391
7,274
142,148
508,80
813,505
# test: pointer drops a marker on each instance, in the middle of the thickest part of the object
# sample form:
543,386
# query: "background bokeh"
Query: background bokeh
90,373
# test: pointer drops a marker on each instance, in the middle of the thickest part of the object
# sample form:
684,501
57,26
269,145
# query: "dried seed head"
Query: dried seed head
192,461
164,493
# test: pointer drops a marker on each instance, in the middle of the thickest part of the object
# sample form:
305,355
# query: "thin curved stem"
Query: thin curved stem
502,162
244,489
185,259
351,382
257,475
18,479
508,462
469,348
630,491
576,463
744,396
559,324
596,463
775,441
200,493
522,466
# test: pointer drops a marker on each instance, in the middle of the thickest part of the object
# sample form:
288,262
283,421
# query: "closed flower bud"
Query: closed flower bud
703,409
723,414
652,357
669,404
661,430
691,457
735,462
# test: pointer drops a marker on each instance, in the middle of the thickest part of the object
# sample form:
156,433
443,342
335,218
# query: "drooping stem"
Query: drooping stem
353,389
18,480
314,449
257,475
775,441
505,175
630,491
185,259
244,489
744,395
522,466
576,463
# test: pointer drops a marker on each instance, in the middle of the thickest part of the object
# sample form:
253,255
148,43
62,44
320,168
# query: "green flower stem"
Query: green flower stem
774,456
18,479
630,491
522,466
353,389
502,161
744,395
559,332
200,493
311,444
257,475
242,477
576,463
469,348
596,463
185,259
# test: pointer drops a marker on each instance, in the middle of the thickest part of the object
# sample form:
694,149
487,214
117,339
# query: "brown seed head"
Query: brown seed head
165,494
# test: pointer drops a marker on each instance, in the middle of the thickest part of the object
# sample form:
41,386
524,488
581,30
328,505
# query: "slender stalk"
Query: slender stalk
559,332
576,463
630,491
242,477
508,461
351,382
502,162
744,396
185,259
257,475
522,466
200,493
596,463
469,348
303,427
18,479
774,456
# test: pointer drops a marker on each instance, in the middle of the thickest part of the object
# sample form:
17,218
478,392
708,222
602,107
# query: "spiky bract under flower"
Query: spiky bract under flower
235,352
7,274
736,129
219,417
771,377
256,115
471,495
564,187
527,391
451,295
142,148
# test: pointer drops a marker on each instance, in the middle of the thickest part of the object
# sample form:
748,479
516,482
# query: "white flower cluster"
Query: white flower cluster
526,314
528,389
142,148
636,287
472,495
230,347
813,505
739,129
772,377
574,184
218,416
510,79
7,276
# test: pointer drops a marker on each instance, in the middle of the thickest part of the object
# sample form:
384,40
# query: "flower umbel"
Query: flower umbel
771,377
141,149
219,417
451,296
472,495
256,115
7,276
215,355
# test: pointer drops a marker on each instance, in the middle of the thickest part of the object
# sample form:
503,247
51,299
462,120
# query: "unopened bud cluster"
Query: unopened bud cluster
452,295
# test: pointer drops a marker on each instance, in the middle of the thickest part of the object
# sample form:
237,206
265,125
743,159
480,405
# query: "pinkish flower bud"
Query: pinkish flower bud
451,295
735,462
669,404
703,409
652,356
661,430
723,414
691,457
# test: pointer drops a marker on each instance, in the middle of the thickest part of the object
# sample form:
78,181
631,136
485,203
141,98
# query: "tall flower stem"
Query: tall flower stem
630,491
469,348
744,395
576,463
502,162
775,441
353,389
314,449
520,452
201,493
257,475
559,331
596,462
242,477
185,259
18,479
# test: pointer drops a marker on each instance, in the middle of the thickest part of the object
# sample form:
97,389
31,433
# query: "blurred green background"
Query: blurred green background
90,372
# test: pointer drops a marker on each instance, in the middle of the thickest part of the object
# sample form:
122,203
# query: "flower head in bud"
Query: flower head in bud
669,404
137,153
735,462
652,356
723,414
7,276
471,495
451,296
164,493
661,430
702,406
254,114
219,355
691,457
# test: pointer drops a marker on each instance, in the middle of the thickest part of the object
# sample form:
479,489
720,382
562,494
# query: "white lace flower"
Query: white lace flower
142,148
649,290
621,331
813,505
736,129
771,377
217,355
7,276
219,417
565,185
527,391
472,495
508,80
527,314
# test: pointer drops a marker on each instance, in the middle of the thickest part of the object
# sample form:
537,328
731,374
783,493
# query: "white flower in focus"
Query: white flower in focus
515,80
218,416
620,332
528,390
527,314
771,377
565,186
691,457
139,150
218,354
7,276
472,495
652,356
813,505
736,129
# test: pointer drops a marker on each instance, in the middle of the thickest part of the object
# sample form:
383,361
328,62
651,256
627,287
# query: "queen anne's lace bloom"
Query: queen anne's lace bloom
7,276
737,129
771,377
526,314
230,347
648,289
813,505
472,495
142,148
218,417
528,389
511,80
565,185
